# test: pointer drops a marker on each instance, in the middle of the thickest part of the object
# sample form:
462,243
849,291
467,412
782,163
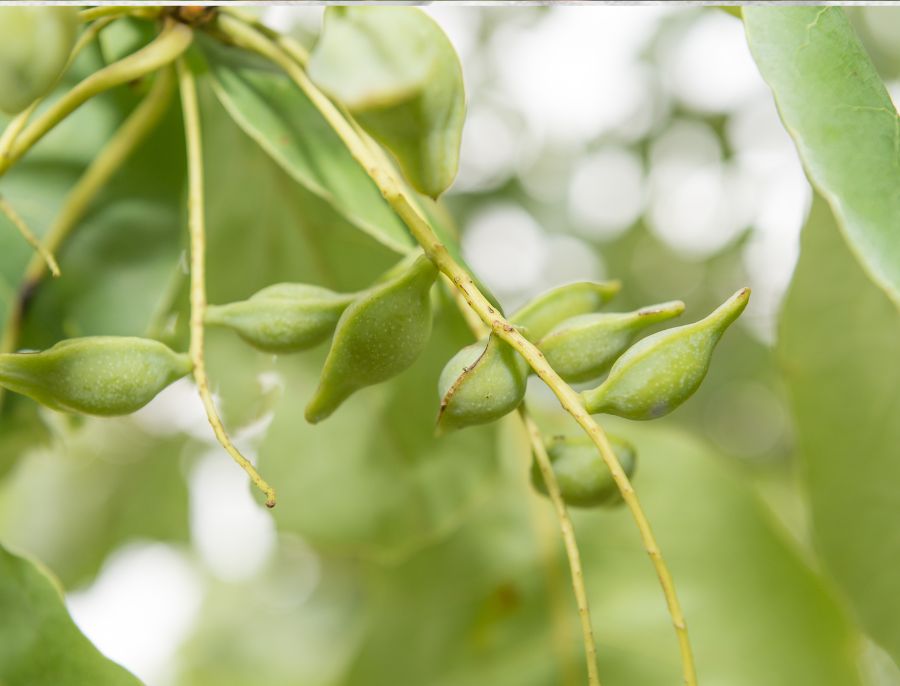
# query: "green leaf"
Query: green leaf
475,608
280,118
399,75
39,643
841,117
839,342
101,484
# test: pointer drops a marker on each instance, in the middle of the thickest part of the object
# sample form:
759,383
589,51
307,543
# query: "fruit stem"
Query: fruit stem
568,536
32,240
197,229
393,191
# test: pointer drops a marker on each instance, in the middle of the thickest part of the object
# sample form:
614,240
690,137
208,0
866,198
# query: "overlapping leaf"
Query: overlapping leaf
280,118
399,75
843,121
840,345
39,643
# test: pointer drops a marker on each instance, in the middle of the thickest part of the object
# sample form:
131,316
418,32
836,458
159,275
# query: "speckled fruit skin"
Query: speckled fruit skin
35,43
584,347
284,317
380,335
584,479
660,372
481,383
96,375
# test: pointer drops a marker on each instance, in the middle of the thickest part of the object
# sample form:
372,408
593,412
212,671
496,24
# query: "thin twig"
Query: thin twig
117,11
165,48
197,228
421,230
536,443
29,236
568,535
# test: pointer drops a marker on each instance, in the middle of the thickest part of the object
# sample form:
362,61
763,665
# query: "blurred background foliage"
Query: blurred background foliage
633,143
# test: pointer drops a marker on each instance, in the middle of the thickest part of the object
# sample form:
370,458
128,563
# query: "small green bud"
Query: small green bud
35,43
583,347
99,375
549,309
660,372
378,336
481,383
283,318
584,479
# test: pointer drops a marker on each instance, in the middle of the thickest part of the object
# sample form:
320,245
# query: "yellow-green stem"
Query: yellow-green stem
418,225
130,134
568,535
168,46
532,433
116,11
29,236
197,230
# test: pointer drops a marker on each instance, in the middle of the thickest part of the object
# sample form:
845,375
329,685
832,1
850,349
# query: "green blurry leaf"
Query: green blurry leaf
100,485
298,622
399,75
841,117
373,478
39,643
282,120
474,608
839,342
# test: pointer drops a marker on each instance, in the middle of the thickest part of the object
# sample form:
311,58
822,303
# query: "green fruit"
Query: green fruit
378,336
660,372
549,309
583,477
583,347
481,383
35,43
99,375
283,318
400,77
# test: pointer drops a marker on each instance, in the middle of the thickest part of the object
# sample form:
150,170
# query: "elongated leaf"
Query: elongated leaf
840,345
843,121
282,120
399,75
39,643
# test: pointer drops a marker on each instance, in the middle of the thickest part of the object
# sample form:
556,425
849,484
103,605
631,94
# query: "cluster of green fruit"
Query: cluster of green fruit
379,332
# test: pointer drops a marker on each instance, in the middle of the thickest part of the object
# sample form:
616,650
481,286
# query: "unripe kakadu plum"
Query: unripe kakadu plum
98,375
583,477
481,383
660,372
538,316
378,336
583,347
35,43
283,318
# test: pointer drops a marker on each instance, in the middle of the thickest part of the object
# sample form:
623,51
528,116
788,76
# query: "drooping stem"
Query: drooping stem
536,443
165,48
197,230
421,230
568,535
142,120
29,236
